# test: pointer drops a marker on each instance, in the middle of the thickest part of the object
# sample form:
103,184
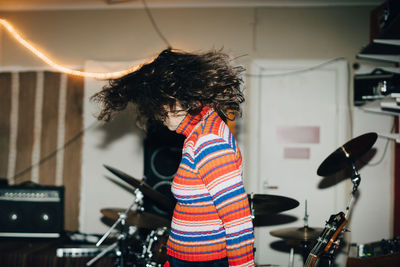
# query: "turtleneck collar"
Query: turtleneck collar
190,121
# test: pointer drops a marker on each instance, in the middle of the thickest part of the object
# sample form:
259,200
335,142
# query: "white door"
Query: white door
296,115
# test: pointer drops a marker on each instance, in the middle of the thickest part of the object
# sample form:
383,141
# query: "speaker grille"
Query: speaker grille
29,212
162,155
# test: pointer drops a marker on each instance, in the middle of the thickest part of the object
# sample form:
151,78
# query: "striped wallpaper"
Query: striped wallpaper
40,112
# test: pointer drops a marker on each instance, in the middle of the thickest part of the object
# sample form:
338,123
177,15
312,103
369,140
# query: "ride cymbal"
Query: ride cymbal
270,204
140,219
159,199
347,154
304,233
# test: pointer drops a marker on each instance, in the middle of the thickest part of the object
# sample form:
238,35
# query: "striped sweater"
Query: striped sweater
212,218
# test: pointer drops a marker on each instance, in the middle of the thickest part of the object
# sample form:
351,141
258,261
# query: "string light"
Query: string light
47,60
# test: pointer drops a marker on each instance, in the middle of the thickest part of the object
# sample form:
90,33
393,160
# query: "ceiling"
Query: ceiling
10,5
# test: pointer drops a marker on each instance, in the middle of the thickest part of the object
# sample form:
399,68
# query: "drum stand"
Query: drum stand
119,247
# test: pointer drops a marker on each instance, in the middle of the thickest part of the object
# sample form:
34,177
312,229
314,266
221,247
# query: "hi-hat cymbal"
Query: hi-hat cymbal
303,233
159,199
347,154
139,219
270,204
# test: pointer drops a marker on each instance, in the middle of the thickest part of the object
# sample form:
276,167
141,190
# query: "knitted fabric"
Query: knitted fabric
212,217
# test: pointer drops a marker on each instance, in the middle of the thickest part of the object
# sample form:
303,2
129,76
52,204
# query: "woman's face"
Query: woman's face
174,116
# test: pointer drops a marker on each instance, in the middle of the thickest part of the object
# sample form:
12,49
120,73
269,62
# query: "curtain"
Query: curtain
41,133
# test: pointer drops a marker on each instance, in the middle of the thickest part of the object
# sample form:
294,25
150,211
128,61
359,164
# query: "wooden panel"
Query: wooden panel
73,151
5,108
49,128
27,83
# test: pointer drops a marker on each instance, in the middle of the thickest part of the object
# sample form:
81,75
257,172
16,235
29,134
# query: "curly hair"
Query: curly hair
194,80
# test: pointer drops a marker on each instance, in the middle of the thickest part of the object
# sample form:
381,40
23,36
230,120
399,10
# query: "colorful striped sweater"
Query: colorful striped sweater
212,217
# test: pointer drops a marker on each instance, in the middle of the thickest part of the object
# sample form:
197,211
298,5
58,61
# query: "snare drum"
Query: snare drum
155,248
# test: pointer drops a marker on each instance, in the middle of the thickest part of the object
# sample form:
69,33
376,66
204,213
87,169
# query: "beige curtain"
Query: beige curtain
41,133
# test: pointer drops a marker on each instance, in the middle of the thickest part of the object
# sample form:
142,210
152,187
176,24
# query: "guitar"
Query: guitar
333,228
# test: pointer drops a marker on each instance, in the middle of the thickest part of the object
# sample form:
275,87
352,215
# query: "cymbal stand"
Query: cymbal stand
252,217
355,179
305,244
252,206
119,244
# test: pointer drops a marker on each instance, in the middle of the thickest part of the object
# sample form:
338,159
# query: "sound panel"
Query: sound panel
162,155
31,211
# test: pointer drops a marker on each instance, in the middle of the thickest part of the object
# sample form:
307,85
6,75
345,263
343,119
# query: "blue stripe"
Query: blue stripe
221,199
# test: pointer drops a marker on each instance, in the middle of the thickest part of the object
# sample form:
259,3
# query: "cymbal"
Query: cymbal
271,204
347,154
303,233
158,198
140,219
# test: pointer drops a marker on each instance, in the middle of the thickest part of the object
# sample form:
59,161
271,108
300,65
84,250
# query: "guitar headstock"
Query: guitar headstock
329,235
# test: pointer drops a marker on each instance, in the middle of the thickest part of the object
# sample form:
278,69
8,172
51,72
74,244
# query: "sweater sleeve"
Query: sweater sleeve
219,167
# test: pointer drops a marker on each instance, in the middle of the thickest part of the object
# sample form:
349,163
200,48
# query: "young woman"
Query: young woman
194,95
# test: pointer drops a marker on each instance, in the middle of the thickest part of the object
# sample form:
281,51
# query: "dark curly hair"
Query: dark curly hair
194,80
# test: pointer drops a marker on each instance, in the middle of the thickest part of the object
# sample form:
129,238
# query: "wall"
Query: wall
73,37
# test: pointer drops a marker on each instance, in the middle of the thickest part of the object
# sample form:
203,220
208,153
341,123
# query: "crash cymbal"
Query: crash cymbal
347,154
270,204
303,233
158,198
140,219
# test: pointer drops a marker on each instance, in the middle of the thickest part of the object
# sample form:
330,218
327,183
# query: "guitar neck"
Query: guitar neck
311,260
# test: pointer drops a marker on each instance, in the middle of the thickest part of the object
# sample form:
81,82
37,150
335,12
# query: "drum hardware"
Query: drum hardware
120,246
303,236
139,219
155,250
159,199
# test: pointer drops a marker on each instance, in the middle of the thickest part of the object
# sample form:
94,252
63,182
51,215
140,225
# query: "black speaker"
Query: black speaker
162,155
31,211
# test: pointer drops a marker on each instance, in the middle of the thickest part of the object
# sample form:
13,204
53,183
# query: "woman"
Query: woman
194,95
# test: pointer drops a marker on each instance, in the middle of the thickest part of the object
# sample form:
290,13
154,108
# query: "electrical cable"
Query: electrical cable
295,71
54,153
384,150
153,22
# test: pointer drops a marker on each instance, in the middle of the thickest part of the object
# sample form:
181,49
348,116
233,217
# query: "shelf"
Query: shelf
386,47
380,111
387,41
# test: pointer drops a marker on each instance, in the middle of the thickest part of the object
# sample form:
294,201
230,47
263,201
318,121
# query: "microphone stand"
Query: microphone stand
119,246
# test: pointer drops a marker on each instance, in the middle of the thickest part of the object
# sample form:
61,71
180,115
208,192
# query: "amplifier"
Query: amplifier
373,249
31,211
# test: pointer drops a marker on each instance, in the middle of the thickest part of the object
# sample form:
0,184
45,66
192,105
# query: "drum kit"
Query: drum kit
142,236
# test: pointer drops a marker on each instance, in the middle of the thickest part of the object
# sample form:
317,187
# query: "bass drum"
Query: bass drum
155,248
